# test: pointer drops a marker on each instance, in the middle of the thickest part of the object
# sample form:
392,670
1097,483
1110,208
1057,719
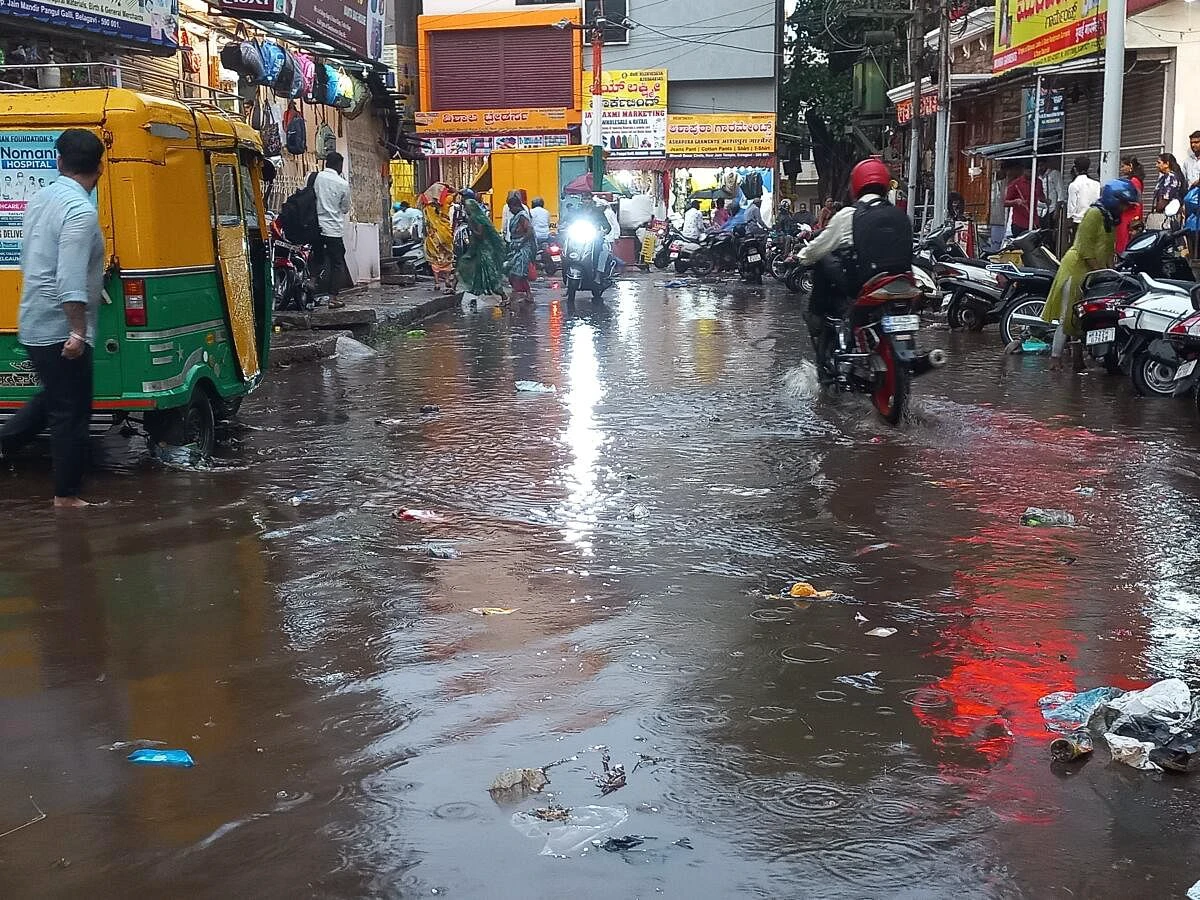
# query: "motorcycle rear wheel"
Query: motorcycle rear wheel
1152,378
971,317
1022,314
892,382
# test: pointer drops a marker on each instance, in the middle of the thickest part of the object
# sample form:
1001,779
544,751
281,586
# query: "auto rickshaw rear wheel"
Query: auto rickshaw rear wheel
194,425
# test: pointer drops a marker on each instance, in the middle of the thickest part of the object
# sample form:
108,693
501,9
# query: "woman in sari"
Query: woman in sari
522,247
439,246
1094,246
481,262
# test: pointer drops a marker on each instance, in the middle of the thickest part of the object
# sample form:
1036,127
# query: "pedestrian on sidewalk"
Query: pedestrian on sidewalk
439,246
1131,220
480,264
333,204
1171,186
62,270
522,247
1082,192
1020,198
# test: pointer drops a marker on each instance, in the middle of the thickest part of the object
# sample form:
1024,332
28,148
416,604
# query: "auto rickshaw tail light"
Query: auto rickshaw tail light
135,302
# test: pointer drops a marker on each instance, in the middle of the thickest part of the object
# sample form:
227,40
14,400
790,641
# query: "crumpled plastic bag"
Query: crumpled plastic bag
584,825
1067,711
1131,751
1169,700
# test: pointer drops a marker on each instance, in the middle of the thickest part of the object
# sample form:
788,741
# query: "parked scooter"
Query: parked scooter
550,253
1178,351
738,250
874,350
290,264
682,251
587,264
976,286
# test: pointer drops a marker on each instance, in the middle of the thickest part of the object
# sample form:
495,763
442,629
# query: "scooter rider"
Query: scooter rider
865,239
693,222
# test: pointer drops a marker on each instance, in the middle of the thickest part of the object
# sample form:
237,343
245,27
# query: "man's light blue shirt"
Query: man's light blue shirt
62,261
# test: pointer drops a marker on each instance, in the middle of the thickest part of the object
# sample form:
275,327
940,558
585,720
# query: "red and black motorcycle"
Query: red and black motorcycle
290,263
875,350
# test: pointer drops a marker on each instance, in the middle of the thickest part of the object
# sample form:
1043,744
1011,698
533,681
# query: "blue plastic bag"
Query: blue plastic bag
1065,711
152,757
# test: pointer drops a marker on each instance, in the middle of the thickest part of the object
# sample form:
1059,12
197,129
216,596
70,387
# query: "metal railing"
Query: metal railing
73,76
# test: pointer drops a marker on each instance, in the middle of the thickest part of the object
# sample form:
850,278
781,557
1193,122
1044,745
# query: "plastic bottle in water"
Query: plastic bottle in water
1045,518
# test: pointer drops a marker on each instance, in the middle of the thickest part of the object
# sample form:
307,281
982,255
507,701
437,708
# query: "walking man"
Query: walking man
333,203
1082,193
62,270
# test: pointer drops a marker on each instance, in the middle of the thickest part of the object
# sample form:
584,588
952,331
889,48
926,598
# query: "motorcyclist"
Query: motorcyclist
693,222
589,212
541,220
842,252
754,219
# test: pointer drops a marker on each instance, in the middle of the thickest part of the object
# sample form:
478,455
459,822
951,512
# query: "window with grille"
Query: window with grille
614,13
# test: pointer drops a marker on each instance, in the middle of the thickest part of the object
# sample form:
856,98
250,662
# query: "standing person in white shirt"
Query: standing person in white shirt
1191,160
1083,192
693,222
541,220
333,203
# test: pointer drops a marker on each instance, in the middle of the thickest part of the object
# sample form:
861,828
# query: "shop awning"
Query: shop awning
670,163
1021,149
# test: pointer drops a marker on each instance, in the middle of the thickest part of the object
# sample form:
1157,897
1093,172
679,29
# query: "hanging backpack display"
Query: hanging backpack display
244,58
289,83
295,131
327,85
345,90
308,73
752,185
326,141
359,95
273,58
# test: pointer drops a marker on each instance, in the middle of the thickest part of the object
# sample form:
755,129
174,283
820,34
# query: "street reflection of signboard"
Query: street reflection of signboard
737,134
632,132
499,121
1046,32
929,107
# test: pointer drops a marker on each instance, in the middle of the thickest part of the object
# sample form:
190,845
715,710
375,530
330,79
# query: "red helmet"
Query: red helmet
869,172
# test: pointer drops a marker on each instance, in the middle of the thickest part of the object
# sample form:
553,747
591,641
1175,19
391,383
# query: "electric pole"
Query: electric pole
941,147
916,42
1114,91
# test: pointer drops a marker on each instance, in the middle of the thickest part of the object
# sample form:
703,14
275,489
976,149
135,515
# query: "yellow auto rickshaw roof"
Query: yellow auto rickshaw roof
93,107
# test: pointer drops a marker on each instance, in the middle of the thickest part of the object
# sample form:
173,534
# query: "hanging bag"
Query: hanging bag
273,57
189,58
308,71
272,140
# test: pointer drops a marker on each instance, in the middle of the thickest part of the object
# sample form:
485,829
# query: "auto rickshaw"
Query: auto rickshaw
184,325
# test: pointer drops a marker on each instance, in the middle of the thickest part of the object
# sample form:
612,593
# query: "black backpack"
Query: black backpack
297,135
298,216
882,240
752,186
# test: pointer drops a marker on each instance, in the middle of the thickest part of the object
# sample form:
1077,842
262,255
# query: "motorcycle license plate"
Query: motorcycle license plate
1185,370
674,254
1101,336
557,257
897,324
753,257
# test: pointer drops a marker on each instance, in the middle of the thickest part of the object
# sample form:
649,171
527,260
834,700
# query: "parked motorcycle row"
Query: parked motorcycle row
748,252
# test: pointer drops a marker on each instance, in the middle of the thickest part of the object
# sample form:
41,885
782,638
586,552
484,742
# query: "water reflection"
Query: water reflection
583,439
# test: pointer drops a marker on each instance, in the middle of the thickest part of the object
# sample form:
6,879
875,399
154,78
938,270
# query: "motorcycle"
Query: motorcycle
585,267
681,252
976,286
1179,351
290,264
736,250
874,352
550,253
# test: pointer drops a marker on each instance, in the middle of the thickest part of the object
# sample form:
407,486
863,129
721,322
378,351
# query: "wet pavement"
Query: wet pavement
347,711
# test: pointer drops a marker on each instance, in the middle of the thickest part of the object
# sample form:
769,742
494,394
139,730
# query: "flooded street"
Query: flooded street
319,658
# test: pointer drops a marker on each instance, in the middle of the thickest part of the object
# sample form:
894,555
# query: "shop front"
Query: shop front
457,143
730,154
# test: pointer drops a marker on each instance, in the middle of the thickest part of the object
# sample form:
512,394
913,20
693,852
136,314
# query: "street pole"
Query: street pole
1033,168
916,40
1114,90
597,136
941,147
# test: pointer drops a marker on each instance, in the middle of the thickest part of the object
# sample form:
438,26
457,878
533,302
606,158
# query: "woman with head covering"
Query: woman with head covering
1093,249
439,246
522,247
481,260
1131,171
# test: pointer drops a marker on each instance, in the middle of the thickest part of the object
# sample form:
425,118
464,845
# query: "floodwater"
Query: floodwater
347,711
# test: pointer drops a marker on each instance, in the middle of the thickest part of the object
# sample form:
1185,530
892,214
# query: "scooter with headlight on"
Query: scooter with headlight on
587,263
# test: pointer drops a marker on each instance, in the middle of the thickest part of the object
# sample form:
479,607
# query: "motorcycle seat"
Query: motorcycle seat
1170,284
975,263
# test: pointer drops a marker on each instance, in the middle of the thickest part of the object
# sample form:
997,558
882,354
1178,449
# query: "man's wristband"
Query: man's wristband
75,335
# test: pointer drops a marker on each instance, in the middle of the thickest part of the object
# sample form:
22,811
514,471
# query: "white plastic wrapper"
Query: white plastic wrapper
585,824
1169,701
1131,751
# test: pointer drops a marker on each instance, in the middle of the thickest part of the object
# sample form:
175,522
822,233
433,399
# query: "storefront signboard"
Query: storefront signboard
630,88
482,145
1046,32
356,25
632,132
929,106
496,121
149,23
734,134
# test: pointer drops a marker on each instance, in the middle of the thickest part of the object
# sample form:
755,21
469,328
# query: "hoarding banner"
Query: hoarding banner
28,162
929,106
1046,32
356,25
483,145
630,88
632,132
736,134
150,23
496,121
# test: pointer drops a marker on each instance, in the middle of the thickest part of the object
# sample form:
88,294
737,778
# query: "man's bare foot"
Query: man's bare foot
70,503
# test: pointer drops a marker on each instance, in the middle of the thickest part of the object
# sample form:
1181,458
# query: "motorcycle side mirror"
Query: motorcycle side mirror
1172,209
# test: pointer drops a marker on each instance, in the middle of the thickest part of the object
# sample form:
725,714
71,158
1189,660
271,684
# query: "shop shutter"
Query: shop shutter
501,68
157,75
1083,105
1142,115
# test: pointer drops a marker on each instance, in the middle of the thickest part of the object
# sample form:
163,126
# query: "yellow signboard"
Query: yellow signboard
734,134
630,88
491,121
1045,32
